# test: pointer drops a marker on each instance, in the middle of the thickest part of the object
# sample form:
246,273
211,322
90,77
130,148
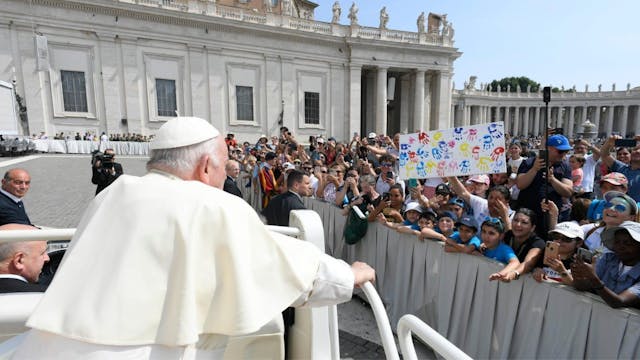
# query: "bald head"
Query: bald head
23,258
232,168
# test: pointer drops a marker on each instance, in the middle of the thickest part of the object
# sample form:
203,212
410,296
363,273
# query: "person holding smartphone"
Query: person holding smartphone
616,275
565,238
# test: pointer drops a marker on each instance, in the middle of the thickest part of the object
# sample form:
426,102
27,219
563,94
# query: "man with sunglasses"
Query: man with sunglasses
532,177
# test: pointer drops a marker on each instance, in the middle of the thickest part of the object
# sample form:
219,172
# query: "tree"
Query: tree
511,83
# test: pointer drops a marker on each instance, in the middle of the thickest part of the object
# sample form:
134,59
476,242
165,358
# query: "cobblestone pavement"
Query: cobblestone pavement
61,190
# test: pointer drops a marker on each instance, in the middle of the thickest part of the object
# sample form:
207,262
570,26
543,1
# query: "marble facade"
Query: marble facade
366,78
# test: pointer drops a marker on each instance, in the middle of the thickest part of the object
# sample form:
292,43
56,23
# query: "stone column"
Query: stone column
443,100
596,121
525,121
583,115
405,85
609,124
381,101
464,115
507,116
418,102
355,87
536,121
467,117
571,122
624,120
516,121
559,117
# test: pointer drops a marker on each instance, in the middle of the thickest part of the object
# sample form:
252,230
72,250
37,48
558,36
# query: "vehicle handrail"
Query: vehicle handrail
284,230
431,337
35,235
379,312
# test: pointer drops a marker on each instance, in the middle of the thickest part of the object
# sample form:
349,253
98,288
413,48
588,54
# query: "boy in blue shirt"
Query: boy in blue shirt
464,240
491,233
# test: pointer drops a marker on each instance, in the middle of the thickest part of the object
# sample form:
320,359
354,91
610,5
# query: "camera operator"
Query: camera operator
105,169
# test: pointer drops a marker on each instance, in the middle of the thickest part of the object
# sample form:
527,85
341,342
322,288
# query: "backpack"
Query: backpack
355,228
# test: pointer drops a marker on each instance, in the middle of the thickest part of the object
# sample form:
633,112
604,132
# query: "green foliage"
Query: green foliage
511,84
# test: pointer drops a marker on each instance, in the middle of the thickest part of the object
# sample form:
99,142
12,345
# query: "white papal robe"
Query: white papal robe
165,268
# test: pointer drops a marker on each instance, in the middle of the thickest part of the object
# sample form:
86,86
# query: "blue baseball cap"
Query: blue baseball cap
559,142
468,221
457,201
448,214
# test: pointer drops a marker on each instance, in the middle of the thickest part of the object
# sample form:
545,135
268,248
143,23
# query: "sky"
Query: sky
558,43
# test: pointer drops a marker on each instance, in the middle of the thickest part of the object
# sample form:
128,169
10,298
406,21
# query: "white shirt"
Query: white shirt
11,196
589,173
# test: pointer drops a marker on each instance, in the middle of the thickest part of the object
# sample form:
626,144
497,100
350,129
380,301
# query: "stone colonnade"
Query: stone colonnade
421,99
523,114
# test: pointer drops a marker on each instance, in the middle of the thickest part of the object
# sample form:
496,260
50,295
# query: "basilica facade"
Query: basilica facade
249,66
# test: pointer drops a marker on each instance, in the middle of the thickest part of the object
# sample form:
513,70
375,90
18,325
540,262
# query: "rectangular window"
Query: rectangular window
74,91
166,95
311,108
244,103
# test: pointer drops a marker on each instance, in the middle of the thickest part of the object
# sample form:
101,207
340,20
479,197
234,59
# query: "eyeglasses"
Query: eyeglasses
616,207
307,168
324,171
561,238
387,164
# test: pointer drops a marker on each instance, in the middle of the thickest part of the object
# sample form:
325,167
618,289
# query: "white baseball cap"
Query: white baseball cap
569,229
608,236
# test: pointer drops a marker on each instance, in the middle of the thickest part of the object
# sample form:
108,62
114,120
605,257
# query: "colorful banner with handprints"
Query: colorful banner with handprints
476,149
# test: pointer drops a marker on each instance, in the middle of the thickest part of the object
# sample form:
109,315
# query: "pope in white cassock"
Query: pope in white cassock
169,266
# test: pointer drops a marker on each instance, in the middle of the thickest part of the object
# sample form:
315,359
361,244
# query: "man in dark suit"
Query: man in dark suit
232,169
21,263
15,185
105,170
277,212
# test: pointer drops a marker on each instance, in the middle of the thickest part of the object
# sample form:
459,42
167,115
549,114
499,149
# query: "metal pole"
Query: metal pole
546,97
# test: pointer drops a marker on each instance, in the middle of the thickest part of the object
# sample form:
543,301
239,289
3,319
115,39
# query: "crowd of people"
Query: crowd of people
575,225
92,136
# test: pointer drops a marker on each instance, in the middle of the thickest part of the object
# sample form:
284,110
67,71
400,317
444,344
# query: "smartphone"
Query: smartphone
542,154
551,250
558,131
389,174
385,196
412,183
625,142
585,255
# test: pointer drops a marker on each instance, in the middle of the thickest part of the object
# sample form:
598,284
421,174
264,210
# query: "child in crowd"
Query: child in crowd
576,162
411,217
465,239
567,237
446,222
491,233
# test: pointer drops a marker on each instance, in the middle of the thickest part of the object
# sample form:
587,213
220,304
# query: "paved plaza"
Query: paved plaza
61,190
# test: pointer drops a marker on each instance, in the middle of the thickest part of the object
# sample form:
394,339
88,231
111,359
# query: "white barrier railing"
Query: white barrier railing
386,335
410,323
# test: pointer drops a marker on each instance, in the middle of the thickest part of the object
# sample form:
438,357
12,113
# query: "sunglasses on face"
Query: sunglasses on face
387,164
561,238
616,207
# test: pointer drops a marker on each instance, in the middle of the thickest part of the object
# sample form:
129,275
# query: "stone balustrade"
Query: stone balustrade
210,8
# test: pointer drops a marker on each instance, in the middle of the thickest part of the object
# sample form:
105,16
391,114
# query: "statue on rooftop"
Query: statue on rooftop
384,18
268,6
420,23
286,7
353,14
336,13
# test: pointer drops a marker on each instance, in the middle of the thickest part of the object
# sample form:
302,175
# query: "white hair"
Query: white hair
183,159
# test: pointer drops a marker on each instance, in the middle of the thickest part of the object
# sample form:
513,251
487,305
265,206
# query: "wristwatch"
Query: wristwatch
517,274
